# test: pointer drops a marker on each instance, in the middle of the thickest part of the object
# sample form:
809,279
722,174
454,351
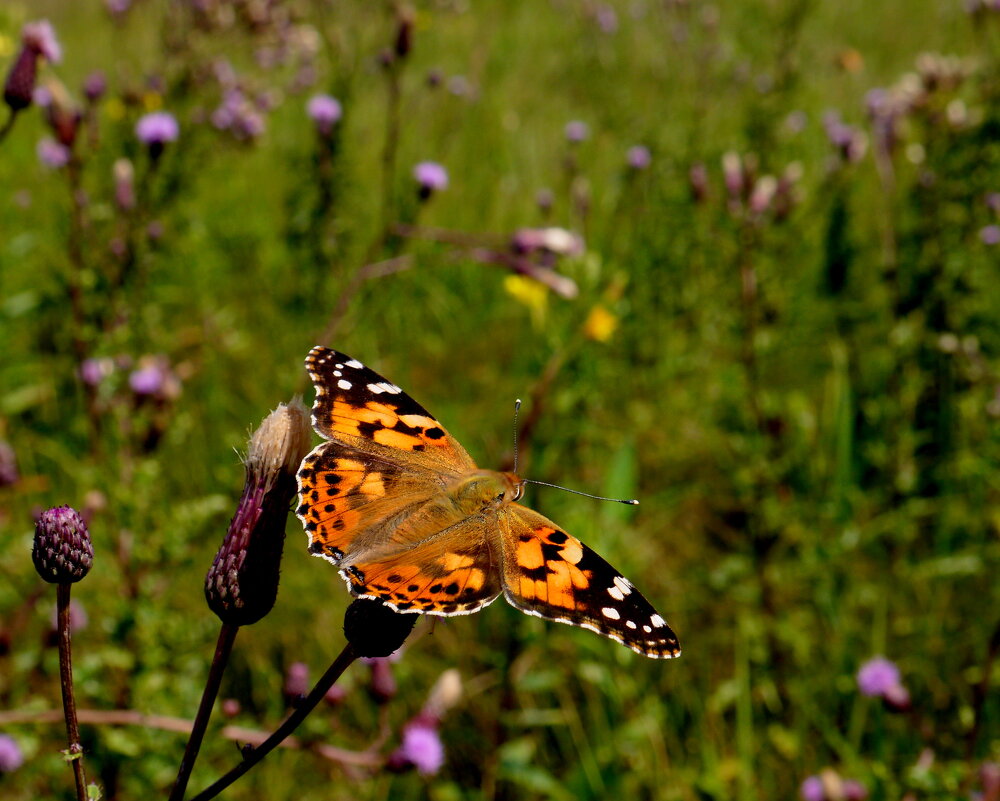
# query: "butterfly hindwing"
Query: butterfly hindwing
354,404
553,575
452,573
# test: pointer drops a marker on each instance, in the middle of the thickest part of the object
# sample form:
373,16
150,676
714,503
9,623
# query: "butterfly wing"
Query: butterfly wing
453,572
350,500
356,406
552,575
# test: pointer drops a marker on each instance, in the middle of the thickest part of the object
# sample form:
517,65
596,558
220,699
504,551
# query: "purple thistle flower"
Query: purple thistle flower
94,86
431,177
990,234
155,130
62,551
576,131
296,681
11,756
52,154
325,111
639,157
877,676
41,37
812,789
148,380
422,748
8,465
94,371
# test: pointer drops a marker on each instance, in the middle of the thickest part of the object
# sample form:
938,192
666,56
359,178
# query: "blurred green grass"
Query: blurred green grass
843,504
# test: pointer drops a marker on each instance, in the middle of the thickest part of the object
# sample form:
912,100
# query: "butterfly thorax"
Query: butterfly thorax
482,490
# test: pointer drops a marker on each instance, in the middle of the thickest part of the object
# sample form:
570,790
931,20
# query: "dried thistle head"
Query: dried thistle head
242,584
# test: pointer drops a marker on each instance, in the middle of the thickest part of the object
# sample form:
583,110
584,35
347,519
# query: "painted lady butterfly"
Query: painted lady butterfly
401,509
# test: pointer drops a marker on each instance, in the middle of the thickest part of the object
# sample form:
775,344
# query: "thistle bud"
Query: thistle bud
374,629
404,33
242,584
38,40
62,551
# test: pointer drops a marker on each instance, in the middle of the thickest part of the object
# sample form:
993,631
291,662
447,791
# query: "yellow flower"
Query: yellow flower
600,324
529,292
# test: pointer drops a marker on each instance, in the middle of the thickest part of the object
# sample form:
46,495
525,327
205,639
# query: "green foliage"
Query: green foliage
798,374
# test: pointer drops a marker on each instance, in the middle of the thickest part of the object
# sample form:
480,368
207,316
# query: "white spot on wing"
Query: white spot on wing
355,364
343,384
658,621
630,624
616,593
610,612
647,629
337,373
623,584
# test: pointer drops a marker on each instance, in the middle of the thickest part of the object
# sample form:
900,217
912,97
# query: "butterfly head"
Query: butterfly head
485,489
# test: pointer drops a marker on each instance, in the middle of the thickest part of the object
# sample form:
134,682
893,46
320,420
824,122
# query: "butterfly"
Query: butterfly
396,503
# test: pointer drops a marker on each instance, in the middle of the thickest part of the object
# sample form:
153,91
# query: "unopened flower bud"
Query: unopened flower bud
404,33
374,629
124,175
62,551
242,584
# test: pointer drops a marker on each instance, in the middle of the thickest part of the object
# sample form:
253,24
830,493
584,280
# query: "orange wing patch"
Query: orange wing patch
355,401
550,574
454,574
344,492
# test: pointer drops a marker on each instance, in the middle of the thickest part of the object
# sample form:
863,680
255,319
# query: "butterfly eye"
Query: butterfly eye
499,498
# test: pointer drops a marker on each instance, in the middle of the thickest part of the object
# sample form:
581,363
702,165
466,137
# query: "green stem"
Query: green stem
75,749
223,648
339,665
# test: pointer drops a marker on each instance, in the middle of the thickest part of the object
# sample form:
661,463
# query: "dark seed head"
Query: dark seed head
62,551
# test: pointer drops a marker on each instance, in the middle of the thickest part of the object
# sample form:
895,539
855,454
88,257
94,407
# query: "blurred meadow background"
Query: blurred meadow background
741,262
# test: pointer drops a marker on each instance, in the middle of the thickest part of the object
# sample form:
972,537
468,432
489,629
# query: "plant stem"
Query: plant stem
75,750
8,125
223,648
339,665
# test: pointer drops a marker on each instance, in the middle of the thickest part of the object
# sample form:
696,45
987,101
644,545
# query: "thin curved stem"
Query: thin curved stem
223,648
74,752
336,669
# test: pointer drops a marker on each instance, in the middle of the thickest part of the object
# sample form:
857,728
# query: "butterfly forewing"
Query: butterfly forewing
555,576
356,405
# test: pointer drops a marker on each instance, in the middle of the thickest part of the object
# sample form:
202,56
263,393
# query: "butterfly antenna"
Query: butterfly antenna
630,502
517,408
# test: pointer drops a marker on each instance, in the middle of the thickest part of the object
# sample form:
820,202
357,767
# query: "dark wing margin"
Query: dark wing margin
353,403
553,575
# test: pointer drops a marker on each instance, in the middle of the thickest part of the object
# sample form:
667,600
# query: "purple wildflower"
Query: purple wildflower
577,131
421,748
231,707
990,234
850,141
94,371
238,115
11,756
148,380
124,175
296,681
639,157
383,686
8,465
431,177
41,38
812,789
325,112
94,86
853,790
607,19
52,154
877,676
155,130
